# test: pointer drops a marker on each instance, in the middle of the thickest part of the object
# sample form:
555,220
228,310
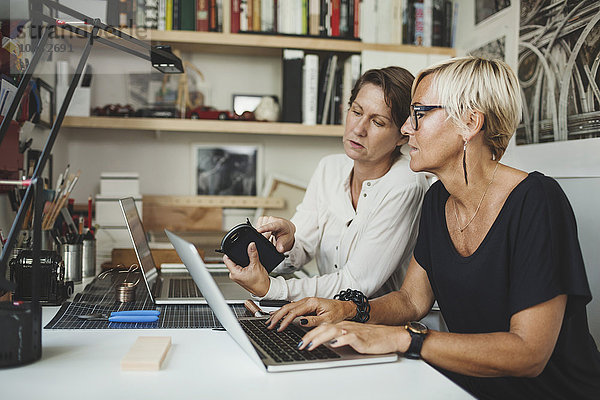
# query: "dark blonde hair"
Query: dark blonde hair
476,84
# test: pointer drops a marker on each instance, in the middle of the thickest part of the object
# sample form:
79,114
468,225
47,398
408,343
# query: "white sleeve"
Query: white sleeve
387,240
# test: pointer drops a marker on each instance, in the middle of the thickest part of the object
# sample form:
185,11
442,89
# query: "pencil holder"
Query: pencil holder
88,257
72,257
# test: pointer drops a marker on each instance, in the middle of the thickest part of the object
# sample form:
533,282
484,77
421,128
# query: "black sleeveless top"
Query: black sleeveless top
530,255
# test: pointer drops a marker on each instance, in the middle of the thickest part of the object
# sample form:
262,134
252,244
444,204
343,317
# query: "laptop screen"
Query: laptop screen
138,237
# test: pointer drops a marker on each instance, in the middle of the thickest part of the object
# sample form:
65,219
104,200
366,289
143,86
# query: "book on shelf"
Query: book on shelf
256,10
212,16
162,13
244,15
335,18
187,15
427,22
202,15
235,16
267,16
310,89
151,14
168,15
314,7
415,22
419,13
384,14
293,61
335,113
328,85
368,21
350,74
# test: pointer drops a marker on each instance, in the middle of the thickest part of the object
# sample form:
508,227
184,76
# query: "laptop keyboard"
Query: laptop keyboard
281,346
183,288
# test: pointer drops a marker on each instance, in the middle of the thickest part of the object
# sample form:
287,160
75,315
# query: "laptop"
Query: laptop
172,285
271,350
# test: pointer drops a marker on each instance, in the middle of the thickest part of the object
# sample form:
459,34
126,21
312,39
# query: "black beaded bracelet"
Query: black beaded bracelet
362,303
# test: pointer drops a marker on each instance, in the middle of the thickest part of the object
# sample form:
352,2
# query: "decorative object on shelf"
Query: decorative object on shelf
114,110
226,170
203,112
46,114
245,102
267,109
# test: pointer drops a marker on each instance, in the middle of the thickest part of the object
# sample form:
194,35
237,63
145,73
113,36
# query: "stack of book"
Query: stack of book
420,22
316,88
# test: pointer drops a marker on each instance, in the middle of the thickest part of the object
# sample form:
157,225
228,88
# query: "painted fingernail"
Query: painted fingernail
308,346
303,321
334,341
300,343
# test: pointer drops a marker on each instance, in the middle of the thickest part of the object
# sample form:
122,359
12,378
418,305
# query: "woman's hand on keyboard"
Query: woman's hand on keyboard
312,311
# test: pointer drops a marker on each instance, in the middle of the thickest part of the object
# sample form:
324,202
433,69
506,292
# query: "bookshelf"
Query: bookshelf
264,44
245,45
203,125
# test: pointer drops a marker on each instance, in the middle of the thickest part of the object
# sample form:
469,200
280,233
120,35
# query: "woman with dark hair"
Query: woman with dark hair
355,205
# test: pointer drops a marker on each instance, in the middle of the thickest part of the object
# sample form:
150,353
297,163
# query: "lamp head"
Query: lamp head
165,61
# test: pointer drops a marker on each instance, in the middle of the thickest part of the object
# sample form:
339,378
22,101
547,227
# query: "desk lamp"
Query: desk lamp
20,323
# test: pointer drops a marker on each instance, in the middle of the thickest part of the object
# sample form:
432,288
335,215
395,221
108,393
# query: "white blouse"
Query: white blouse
366,249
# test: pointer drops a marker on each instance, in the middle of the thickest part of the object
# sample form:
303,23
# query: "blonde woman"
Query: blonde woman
497,249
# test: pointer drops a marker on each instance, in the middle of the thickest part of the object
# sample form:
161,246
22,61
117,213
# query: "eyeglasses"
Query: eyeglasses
417,112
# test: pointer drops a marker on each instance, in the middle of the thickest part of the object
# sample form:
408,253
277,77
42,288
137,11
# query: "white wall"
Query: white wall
164,162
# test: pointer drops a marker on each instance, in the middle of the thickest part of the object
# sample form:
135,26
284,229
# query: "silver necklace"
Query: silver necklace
478,205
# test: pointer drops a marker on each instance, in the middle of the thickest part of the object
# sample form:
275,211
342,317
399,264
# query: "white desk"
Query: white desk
202,364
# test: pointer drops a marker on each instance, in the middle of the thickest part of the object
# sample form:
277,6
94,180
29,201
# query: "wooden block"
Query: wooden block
127,257
180,218
146,354
214,201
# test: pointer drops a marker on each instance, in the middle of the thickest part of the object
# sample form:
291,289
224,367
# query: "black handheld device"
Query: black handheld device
235,245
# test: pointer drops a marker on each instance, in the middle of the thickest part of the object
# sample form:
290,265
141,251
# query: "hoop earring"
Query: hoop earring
465,162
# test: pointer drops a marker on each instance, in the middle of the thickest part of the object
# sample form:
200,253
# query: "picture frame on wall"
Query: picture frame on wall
226,169
292,190
46,97
484,9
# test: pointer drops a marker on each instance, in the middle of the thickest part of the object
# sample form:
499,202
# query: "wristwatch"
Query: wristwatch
417,331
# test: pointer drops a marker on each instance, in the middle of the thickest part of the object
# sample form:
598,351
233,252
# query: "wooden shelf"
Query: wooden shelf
195,125
243,43
261,44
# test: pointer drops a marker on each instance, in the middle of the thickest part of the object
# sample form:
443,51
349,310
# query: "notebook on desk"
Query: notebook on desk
275,351
173,284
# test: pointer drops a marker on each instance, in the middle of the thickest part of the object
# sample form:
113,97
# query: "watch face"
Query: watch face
417,327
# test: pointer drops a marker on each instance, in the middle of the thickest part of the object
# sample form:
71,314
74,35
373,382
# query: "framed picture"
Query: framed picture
486,8
291,190
46,114
494,50
227,170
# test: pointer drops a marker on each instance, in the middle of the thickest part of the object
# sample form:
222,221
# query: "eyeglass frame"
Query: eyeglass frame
414,108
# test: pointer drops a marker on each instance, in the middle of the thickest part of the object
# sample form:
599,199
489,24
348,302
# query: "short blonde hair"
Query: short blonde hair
477,84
